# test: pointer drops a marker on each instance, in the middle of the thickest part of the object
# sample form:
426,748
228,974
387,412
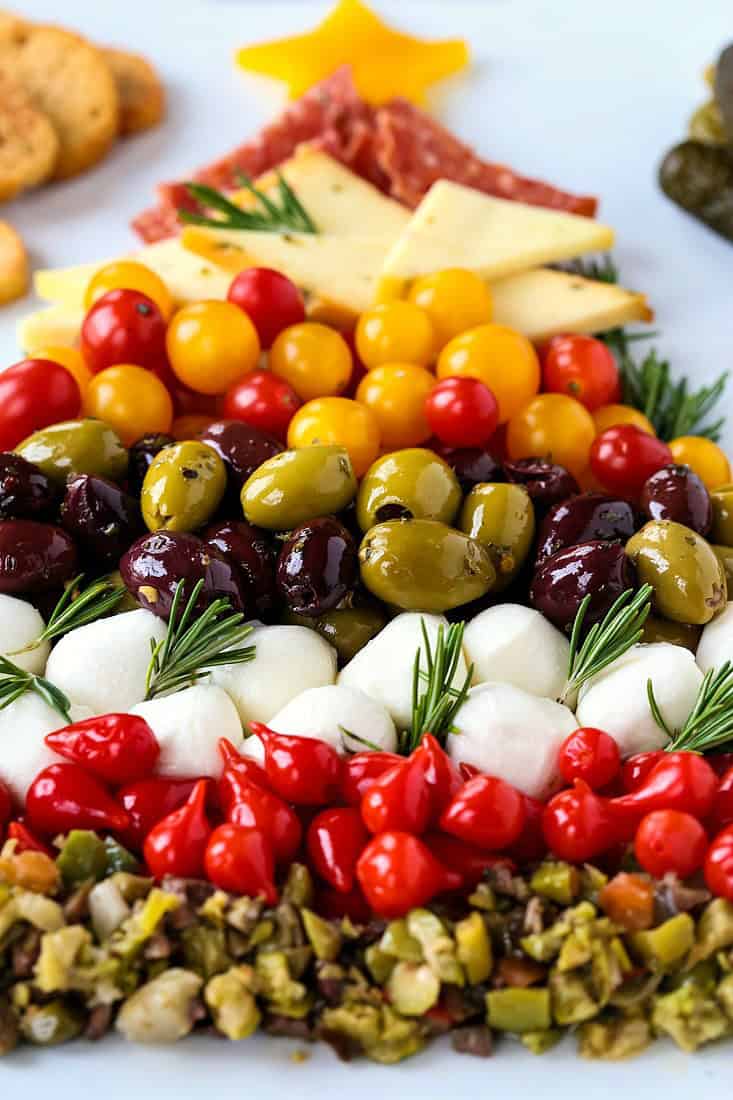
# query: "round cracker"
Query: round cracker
29,145
142,96
14,267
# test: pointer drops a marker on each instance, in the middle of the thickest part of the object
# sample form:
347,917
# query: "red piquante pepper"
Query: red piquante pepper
241,861
238,772
360,772
303,770
578,824
468,771
397,872
399,800
636,768
678,781
117,748
336,838
334,905
176,845
530,845
257,808
468,862
148,801
486,812
722,813
65,796
719,864
25,841
441,775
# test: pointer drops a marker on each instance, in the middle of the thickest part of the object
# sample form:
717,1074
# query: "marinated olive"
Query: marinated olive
128,602
722,501
677,493
183,487
348,629
76,447
153,566
662,630
296,486
597,569
34,557
699,178
687,577
241,447
546,483
471,465
142,454
585,518
250,551
102,519
410,484
25,491
501,518
424,565
317,566
724,554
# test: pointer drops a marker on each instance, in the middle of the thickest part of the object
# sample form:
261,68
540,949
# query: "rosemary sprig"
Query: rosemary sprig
15,682
710,723
195,643
77,608
434,707
271,216
621,627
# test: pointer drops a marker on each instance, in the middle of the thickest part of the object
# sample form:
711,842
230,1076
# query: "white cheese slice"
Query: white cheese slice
54,326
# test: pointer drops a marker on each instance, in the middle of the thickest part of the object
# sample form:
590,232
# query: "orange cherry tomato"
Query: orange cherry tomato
129,275
396,394
313,358
190,426
211,345
131,400
338,420
704,457
72,359
454,299
553,426
504,360
395,332
611,416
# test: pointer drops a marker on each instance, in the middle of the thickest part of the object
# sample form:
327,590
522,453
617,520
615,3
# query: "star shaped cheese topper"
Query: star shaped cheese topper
384,62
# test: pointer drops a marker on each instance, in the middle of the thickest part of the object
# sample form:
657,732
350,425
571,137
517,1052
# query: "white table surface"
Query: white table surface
582,93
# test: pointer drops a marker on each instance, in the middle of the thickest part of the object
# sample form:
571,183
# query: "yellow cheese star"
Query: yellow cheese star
384,62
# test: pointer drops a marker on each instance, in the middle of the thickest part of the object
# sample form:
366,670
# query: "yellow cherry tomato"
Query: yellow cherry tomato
131,400
455,300
211,345
396,394
129,275
504,360
552,426
313,358
189,426
609,416
395,332
72,359
704,457
340,421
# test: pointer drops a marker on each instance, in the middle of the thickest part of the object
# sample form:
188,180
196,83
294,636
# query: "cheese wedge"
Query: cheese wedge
456,226
55,325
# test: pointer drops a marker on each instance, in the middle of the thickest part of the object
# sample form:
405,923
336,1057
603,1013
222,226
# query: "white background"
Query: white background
585,93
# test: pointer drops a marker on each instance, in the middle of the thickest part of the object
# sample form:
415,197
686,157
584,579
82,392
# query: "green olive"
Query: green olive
687,578
348,629
410,484
76,447
183,487
128,601
663,630
722,529
501,518
724,554
707,125
295,486
424,565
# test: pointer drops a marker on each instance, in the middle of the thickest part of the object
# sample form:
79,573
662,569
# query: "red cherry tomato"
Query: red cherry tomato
462,412
581,367
264,401
578,824
118,748
486,812
176,845
589,754
719,864
400,799
123,326
241,861
303,770
336,839
257,808
270,300
34,394
636,768
397,872
362,770
623,457
670,841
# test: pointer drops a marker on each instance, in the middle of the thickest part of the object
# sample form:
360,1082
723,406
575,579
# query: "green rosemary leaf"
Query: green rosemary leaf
15,682
270,216
710,723
434,705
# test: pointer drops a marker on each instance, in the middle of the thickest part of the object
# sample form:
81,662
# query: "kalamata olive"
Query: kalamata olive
317,566
597,569
585,518
249,549
677,493
25,491
471,465
34,556
142,454
242,447
546,483
154,565
102,518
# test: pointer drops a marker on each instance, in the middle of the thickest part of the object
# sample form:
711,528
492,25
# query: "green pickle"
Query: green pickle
519,1010
82,857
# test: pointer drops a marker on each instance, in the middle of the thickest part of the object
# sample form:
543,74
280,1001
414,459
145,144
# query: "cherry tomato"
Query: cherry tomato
581,367
552,426
622,458
395,394
176,844
211,345
312,358
123,326
486,812
188,427
72,359
578,824
358,370
336,838
395,332
33,394
263,401
241,861
270,300
670,841
719,864
462,412
397,872
704,457
612,416
131,400
129,275
504,360
454,299
589,754
338,420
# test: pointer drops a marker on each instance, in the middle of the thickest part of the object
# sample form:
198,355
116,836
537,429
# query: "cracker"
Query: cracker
14,267
29,145
142,96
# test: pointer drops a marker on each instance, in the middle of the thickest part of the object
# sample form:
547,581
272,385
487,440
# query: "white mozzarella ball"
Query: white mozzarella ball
287,661
616,699
23,751
21,624
513,644
716,642
103,664
383,669
511,734
327,712
187,726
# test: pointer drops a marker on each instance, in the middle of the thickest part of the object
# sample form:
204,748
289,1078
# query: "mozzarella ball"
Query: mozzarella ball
511,734
23,751
21,624
287,661
513,644
327,712
716,643
187,726
616,699
104,664
383,669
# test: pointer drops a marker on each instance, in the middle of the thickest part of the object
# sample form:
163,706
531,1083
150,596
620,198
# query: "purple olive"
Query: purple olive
102,518
585,518
318,565
546,483
34,556
249,549
471,465
25,491
677,493
242,448
154,565
597,569
142,454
